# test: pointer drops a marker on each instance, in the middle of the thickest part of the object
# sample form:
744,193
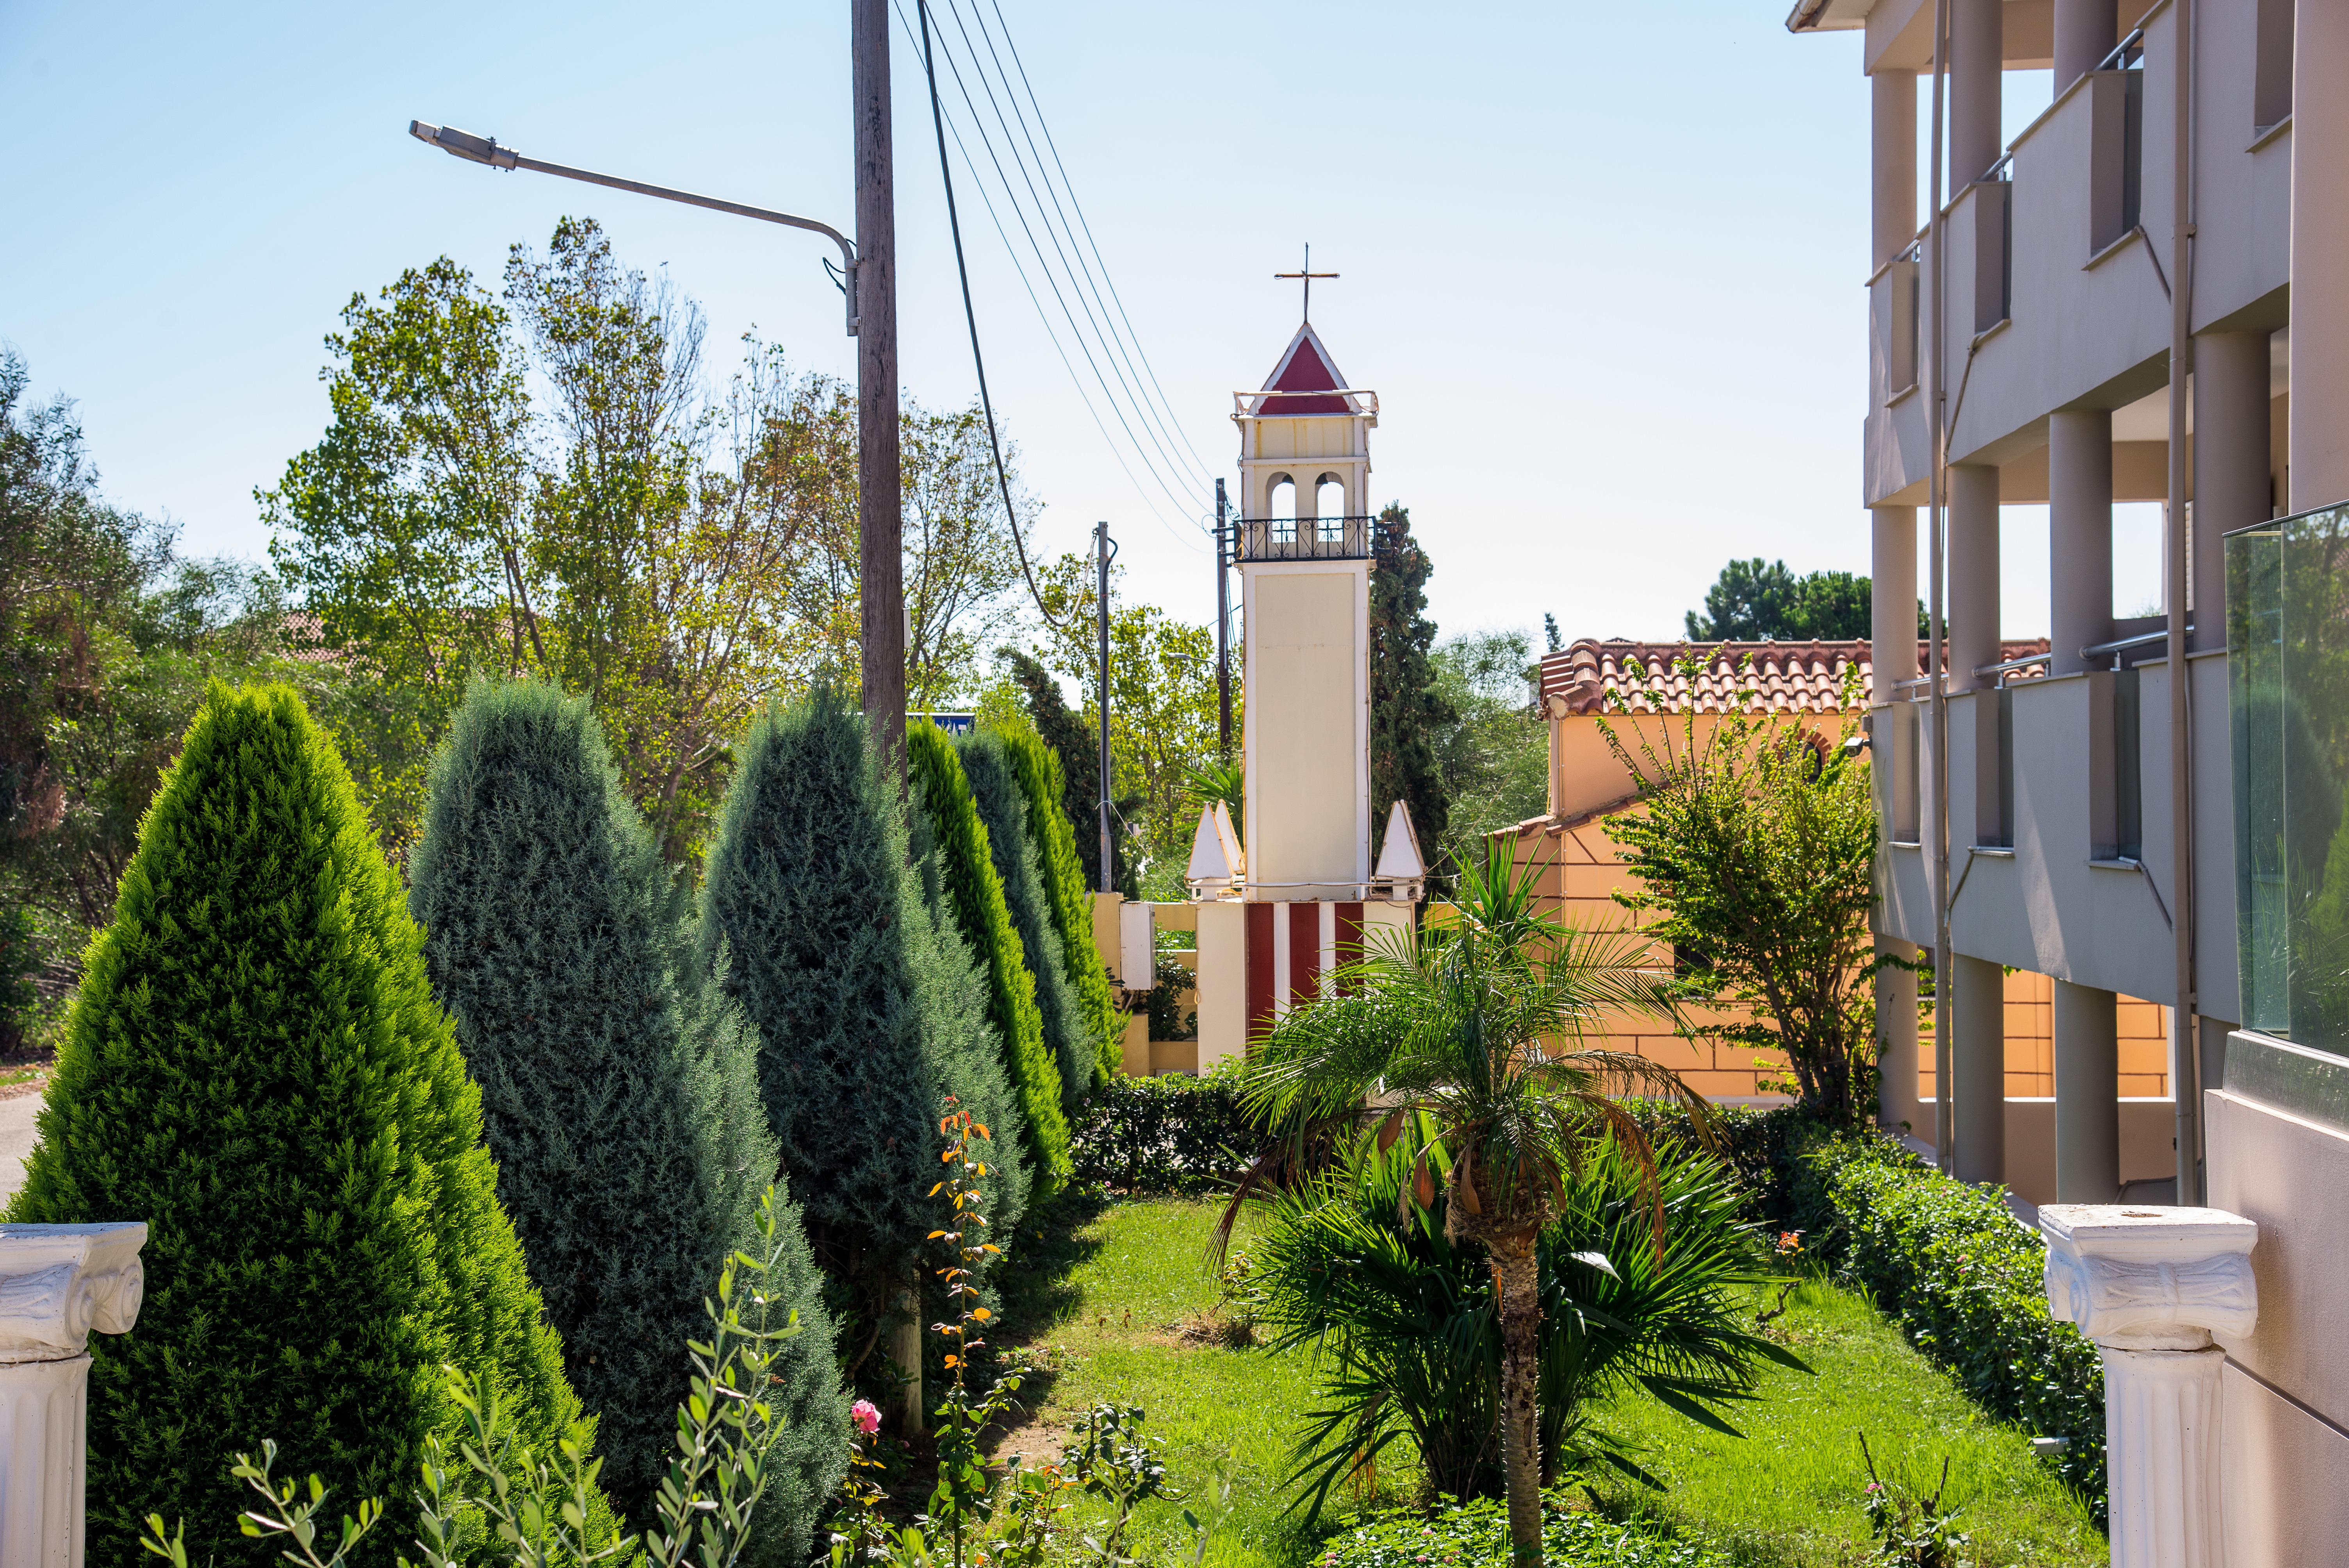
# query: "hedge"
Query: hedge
976,893
1042,783
1168,1134
1947,1261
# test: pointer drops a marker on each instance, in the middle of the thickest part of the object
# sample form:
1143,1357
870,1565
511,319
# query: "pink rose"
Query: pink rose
867,1420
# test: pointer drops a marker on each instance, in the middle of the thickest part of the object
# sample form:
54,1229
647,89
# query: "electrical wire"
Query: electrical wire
970,315
1128,378
1045,265
1022,65
954,129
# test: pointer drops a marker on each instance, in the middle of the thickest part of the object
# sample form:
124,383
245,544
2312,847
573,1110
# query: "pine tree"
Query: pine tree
619,1086
256,1066
1037,768
975,892
834,958
1003,811
1407,711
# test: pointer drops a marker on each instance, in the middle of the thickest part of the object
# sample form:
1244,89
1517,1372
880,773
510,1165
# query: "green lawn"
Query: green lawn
1100,1293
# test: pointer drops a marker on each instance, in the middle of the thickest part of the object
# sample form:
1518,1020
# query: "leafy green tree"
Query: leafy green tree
1036,768
867,1019
1003,811
1494,755
256,1068
1445,1026
619,1086
1754,600
1408,709
1162,710
1755,847
975,892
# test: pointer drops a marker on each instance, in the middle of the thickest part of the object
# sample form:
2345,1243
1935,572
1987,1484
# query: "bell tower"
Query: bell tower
1304,550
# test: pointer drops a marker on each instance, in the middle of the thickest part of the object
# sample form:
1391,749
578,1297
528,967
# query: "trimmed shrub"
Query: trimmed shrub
835,959
256,1066
1173,1133
942,793
1003,809
619,1086
1966,1281
1043,786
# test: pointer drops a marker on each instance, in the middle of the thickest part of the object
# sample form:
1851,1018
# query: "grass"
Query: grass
1100,1292
1788,1492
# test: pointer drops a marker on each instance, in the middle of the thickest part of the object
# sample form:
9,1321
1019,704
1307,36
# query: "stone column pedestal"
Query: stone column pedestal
2150,1287
57,1284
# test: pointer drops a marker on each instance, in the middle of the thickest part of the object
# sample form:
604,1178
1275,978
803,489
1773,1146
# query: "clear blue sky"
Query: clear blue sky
1602,264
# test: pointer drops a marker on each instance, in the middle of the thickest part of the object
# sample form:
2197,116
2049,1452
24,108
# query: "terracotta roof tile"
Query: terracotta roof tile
1593,676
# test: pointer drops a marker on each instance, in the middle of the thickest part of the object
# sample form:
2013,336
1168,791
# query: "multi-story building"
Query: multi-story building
2138,298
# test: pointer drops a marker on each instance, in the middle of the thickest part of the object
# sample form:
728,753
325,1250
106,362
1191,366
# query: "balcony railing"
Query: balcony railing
1304,537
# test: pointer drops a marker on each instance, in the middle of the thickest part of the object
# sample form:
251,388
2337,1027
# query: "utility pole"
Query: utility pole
880,516
1102,551
1223,629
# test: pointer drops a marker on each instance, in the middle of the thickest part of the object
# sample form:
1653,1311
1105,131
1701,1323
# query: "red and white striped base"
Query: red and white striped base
1290,946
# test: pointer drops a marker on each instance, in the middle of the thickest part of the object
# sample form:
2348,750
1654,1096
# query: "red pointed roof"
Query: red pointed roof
1305,366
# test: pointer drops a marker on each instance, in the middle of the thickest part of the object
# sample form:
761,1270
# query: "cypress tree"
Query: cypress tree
975,892
620,1086
1406,710
834,958
1036,766
1065,732
1003,811
256,1066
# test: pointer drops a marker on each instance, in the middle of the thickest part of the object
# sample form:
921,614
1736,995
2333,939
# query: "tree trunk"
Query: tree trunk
1516,1280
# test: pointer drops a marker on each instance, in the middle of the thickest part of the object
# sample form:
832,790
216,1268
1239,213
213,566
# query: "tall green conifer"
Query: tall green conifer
255,1067
1003,809
620,1086
942,792
1407,709
1037,768
865,1024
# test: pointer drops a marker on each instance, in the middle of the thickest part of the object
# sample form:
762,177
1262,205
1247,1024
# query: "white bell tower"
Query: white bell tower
1304,550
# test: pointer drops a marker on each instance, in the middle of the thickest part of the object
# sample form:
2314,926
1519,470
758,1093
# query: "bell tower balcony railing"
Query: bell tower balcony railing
1303,538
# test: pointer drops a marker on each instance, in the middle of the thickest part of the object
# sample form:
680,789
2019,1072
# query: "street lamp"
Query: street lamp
485,150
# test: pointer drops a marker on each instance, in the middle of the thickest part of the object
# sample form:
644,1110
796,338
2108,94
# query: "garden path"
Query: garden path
17,1136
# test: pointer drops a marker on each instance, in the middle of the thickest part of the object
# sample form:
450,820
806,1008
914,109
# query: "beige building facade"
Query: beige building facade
2143,296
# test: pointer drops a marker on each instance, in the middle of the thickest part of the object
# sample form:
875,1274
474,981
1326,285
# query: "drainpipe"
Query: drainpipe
2183,1056
1939,690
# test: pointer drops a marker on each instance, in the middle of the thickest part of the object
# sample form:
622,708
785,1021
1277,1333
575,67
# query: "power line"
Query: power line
1044,263
1009,43
962,270
1142,492
1107,333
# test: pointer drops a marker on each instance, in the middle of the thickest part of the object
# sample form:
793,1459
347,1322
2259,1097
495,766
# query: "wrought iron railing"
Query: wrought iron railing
1304,537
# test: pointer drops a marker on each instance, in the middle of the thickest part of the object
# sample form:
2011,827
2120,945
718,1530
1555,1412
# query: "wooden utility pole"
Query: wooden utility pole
880,515
1223,628
1102,550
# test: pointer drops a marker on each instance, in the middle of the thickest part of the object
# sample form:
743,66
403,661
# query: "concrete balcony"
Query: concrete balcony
2043,879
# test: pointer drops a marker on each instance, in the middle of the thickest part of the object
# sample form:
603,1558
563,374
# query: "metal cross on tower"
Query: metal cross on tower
1308,275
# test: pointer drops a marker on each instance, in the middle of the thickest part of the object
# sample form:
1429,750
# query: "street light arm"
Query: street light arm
485,150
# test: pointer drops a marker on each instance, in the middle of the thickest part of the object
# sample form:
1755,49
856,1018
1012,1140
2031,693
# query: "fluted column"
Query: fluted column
57,1284
2150,1287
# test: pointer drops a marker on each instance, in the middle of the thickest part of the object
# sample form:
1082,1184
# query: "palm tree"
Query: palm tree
1459,1027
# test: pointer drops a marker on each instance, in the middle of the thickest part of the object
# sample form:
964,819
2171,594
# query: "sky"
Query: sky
1603,264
